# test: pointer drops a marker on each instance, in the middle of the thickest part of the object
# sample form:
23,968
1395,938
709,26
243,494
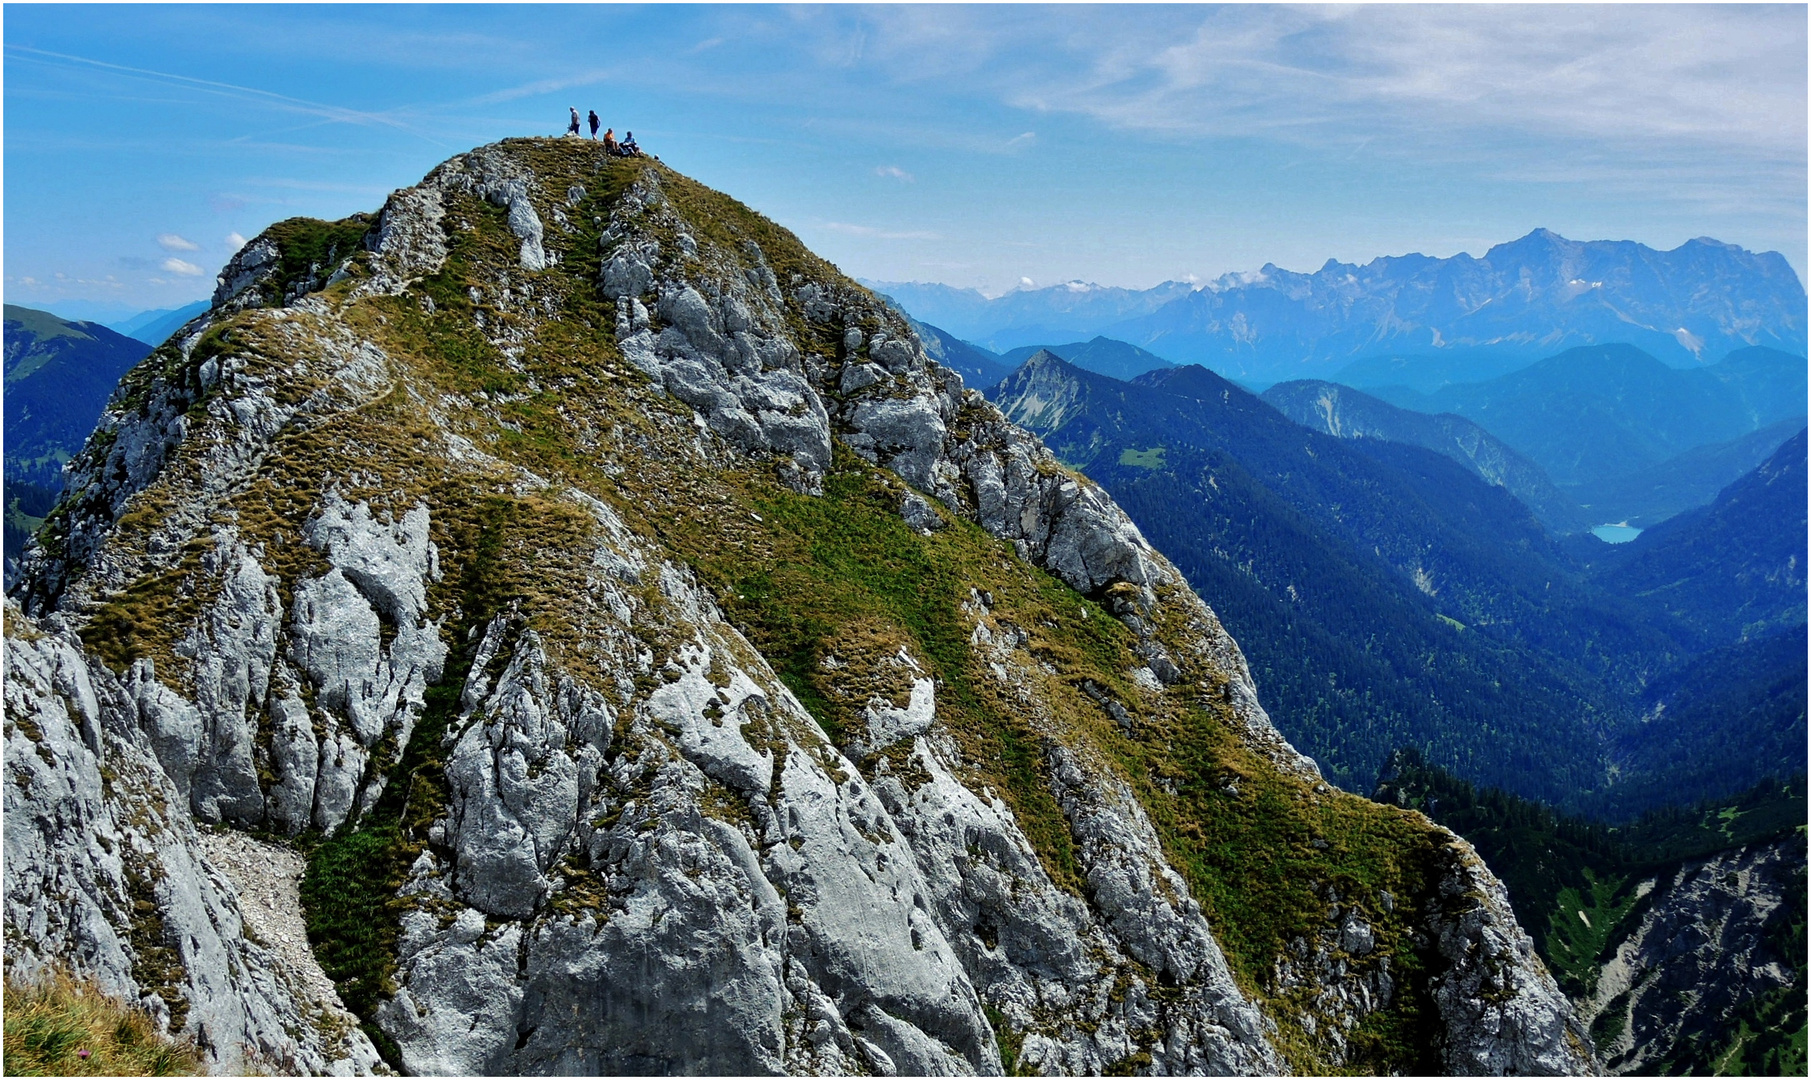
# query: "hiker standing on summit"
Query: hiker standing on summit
573,128
594,123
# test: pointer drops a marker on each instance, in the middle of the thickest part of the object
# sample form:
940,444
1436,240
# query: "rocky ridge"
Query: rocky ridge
1701,949
1346,413
441,552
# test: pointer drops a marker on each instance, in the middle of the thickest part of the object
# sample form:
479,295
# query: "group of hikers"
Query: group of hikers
625,148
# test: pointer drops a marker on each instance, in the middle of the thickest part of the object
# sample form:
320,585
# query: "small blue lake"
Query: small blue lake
1616,534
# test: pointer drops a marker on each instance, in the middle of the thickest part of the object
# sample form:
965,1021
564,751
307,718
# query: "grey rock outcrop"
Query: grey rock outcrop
107,875
1502,1012
239,284
641,852
1699,951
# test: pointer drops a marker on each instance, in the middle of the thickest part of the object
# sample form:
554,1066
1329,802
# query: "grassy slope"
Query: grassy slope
803,578
66,1027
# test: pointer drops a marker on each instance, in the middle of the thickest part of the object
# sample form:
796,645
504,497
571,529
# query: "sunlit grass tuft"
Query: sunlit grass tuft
64,1026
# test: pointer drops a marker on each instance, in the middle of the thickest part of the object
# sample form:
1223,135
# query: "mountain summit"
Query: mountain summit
666,668
1415,319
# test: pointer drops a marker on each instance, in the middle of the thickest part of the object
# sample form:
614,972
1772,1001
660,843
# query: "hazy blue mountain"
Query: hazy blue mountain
143,318
961,310
1521,301
978,367
1594,413
1103,356
1072,311
1384,595
1718,724
154,327
1651,495
1734,569
95,311
1345,413
1768,383
58,376
1428,372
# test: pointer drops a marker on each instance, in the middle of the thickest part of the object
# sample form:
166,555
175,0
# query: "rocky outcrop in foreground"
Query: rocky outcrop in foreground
472,558
1705,945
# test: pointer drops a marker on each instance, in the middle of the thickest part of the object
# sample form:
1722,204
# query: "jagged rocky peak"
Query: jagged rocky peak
666,667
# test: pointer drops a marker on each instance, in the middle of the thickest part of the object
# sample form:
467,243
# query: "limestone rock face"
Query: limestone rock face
1699,951
405,561
106,874
250,266
1502,1012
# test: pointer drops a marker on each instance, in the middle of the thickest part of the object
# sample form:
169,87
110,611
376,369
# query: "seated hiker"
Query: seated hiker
629,147
610,143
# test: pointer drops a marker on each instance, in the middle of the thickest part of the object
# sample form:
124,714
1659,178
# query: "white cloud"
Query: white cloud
177,266
1643,78
171,242
235,241
1713,91
895,172
1026,283
879,234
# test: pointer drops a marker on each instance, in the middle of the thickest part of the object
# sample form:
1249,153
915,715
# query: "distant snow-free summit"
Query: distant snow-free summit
1472,318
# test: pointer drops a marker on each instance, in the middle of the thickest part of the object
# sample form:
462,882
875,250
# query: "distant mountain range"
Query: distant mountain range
1103,356
1346,413
58,377
1735,572
1455,319
978,367
981,368
1649,496
1384,595
1069,312
155,327
1595,413
1388,591
1736,568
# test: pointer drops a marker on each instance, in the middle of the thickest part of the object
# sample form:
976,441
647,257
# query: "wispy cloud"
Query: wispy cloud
235,241
179,266
571,81
870,231
1722,77
895,172
1708,88
335,113
173,242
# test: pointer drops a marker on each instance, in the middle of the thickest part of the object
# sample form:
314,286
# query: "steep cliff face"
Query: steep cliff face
668,668
1713,941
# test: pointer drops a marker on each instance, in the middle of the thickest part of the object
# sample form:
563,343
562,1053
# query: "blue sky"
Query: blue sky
975,146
